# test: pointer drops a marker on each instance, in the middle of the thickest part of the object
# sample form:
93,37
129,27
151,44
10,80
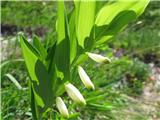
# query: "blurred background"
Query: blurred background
132,81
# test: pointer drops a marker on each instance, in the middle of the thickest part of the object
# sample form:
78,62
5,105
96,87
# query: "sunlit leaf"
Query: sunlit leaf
73,39
85,20
62,52
30,57
112,12
38,45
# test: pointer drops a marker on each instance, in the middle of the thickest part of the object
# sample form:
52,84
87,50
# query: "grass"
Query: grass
29,14
15,103
138,43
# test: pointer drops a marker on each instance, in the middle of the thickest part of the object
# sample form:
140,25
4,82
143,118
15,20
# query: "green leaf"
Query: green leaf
62,52
73,39
44,87
50,59
115,26
51,67
30,56
60,22
116,13
111,10
33,104
38,45
14,81
99,106
73,116
108,12
85,14
90,41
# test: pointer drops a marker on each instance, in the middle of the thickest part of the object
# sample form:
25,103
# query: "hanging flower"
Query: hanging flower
85,78
62,107
98,58
74,93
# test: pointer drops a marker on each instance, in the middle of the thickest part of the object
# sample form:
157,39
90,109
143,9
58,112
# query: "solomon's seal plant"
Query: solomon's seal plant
52,68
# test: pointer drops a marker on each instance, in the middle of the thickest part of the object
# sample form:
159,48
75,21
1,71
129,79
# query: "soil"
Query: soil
146,106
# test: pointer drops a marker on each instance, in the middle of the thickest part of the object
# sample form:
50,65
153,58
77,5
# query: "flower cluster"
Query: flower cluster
73,92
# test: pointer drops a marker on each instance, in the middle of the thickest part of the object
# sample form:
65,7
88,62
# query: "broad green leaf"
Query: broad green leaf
119,22
90,41
44,88
85,19
50,60
99,5
140,7
62,52
60,22
73,40
51,67
30,57
38,45
112,11
108,12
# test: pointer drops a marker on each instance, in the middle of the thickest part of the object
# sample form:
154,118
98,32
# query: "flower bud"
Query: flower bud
62,107
74,94
85,78
98,58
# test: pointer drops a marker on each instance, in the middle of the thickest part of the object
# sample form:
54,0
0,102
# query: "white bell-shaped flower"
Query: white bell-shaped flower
98,58
74,94
85,78
62,107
